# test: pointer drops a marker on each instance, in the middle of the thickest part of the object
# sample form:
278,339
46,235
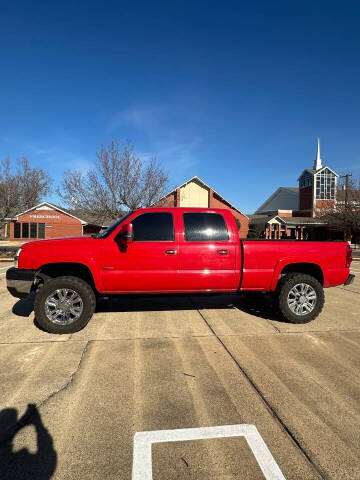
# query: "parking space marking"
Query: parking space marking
142,461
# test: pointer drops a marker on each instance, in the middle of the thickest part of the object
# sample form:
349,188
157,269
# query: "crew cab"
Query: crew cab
169,251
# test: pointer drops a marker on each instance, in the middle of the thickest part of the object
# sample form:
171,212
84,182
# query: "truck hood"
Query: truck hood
68,249
59,242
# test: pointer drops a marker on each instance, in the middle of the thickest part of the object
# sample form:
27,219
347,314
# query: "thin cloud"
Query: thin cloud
167,133
142,118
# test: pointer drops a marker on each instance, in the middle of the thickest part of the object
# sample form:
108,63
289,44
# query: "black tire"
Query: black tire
76,284
285,285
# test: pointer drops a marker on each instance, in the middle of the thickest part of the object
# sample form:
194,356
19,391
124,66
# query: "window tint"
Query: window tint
33,230
205,227
109,230
16,230
153,227
41,230
25,230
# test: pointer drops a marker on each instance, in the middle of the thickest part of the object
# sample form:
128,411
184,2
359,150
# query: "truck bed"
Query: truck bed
264,260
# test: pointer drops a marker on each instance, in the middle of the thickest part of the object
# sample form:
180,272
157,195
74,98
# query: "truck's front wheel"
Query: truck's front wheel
64,305
301,297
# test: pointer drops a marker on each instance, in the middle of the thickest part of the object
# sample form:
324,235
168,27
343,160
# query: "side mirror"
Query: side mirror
126,233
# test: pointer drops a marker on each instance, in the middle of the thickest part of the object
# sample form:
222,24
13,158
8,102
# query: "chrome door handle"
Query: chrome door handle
170,252
223,252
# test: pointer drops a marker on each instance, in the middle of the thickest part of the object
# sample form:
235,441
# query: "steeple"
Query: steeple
317,163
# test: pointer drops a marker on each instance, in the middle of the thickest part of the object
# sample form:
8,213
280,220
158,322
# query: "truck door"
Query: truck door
149,263
207,252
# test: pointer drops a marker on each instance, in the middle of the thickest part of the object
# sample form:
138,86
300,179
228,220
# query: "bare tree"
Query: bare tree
346,213
119,181
34,183
349,191
22,188
9,191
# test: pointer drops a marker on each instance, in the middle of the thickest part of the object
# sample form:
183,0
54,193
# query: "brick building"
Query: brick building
317,189
315,195
196,193
285,199
47,220
293,212
283,225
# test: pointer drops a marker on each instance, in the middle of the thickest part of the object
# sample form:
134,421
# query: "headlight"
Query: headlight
16,258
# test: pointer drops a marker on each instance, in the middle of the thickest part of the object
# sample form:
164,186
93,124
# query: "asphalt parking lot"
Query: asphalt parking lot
148,364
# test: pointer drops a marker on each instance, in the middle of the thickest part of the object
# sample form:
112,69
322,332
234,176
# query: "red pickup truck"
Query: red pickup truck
173,250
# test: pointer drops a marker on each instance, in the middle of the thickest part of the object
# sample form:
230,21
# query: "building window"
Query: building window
41,230
205,227
325,185
17,228
153,227
306,180
33,230
24,230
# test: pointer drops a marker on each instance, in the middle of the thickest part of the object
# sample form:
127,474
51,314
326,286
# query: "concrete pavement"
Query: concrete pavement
170,363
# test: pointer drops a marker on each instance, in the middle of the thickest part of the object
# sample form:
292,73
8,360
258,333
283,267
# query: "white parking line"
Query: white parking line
142,462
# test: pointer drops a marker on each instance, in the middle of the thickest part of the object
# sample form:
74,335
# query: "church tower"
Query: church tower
317,188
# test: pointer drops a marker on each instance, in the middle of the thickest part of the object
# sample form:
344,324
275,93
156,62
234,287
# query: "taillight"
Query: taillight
348,256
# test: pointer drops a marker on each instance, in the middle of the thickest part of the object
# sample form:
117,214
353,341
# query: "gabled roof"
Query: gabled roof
315,172
86,218
323,168
291,190
259,219
291,221
300,221
195,177
54,207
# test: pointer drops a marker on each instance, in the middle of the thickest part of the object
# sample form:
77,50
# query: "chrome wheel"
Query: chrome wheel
301,299
63,306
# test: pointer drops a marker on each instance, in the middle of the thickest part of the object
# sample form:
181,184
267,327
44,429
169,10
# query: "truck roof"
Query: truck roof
191,209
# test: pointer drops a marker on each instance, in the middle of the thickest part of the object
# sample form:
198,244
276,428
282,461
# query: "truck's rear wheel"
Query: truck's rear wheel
64,305
301,297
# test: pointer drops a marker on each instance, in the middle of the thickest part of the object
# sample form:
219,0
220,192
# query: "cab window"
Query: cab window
153,227
205,227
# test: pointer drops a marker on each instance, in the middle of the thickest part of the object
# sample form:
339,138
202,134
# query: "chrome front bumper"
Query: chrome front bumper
19,281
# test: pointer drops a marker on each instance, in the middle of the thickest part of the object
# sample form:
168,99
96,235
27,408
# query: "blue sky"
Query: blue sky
234,92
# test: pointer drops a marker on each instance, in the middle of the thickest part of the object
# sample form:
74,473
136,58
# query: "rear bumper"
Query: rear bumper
19,281
350,279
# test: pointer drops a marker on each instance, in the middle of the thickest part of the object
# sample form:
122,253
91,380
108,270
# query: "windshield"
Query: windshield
112,227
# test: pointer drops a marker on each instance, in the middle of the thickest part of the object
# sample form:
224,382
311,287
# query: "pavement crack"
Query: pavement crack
277,330
71,378
6,436
266,402
348,290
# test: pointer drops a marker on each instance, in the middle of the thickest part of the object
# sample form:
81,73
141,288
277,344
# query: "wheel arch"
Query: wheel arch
308,268
59,269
